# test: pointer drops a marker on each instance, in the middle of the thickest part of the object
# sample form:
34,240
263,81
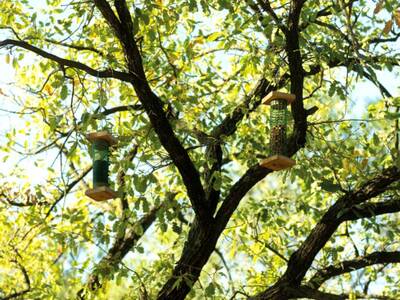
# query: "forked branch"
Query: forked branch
109,73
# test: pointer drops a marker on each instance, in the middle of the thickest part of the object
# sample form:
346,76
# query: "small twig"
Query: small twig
221,256
344,120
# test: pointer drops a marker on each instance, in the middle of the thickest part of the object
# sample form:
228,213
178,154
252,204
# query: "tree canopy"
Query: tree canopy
180,84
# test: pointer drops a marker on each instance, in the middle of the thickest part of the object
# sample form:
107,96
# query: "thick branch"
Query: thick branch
126,37
305,292
109,15
293,51
194,257
369,210
69,63
200,244
301,260
309,293
351,265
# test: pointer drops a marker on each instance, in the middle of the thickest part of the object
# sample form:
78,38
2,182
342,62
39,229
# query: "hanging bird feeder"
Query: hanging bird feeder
100,144
278,121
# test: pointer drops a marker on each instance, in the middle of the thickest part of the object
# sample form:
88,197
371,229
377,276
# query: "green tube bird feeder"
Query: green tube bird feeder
278,102
100,144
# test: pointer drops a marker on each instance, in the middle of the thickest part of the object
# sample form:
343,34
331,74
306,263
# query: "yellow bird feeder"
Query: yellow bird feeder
100,144
278,127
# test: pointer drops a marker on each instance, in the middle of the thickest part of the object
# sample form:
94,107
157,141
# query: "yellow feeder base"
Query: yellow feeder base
275,95
101,193
277,162
102,135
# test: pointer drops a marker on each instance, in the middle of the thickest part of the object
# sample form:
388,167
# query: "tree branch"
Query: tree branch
200,245
228,271
326,11
69,63
112,110
351,265
305,292
250,102
300,261
190,264
382,40
134,57
31,200
369,210
76,47
109,15
309,293
298,139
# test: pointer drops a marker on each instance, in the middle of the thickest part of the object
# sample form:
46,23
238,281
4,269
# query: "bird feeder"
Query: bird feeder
100,144
278,125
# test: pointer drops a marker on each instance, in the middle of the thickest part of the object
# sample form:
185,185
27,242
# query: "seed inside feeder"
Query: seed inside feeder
101,141
278,124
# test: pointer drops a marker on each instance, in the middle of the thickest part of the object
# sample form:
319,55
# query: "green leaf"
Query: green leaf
145,18
329,186
33,17
102,98
163,227
52,122
212,37
64,92
138,229
392,116
210,290
375,139
217,180
140,183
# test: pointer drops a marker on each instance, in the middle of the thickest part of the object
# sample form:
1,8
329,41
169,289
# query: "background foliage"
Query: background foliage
206,66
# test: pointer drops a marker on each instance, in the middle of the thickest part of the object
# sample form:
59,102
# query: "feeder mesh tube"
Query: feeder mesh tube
278,124
100,163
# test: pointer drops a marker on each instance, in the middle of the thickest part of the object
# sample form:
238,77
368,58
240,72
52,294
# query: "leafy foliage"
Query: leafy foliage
180,84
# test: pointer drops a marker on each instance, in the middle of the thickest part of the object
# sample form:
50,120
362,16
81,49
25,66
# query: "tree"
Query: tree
181,84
